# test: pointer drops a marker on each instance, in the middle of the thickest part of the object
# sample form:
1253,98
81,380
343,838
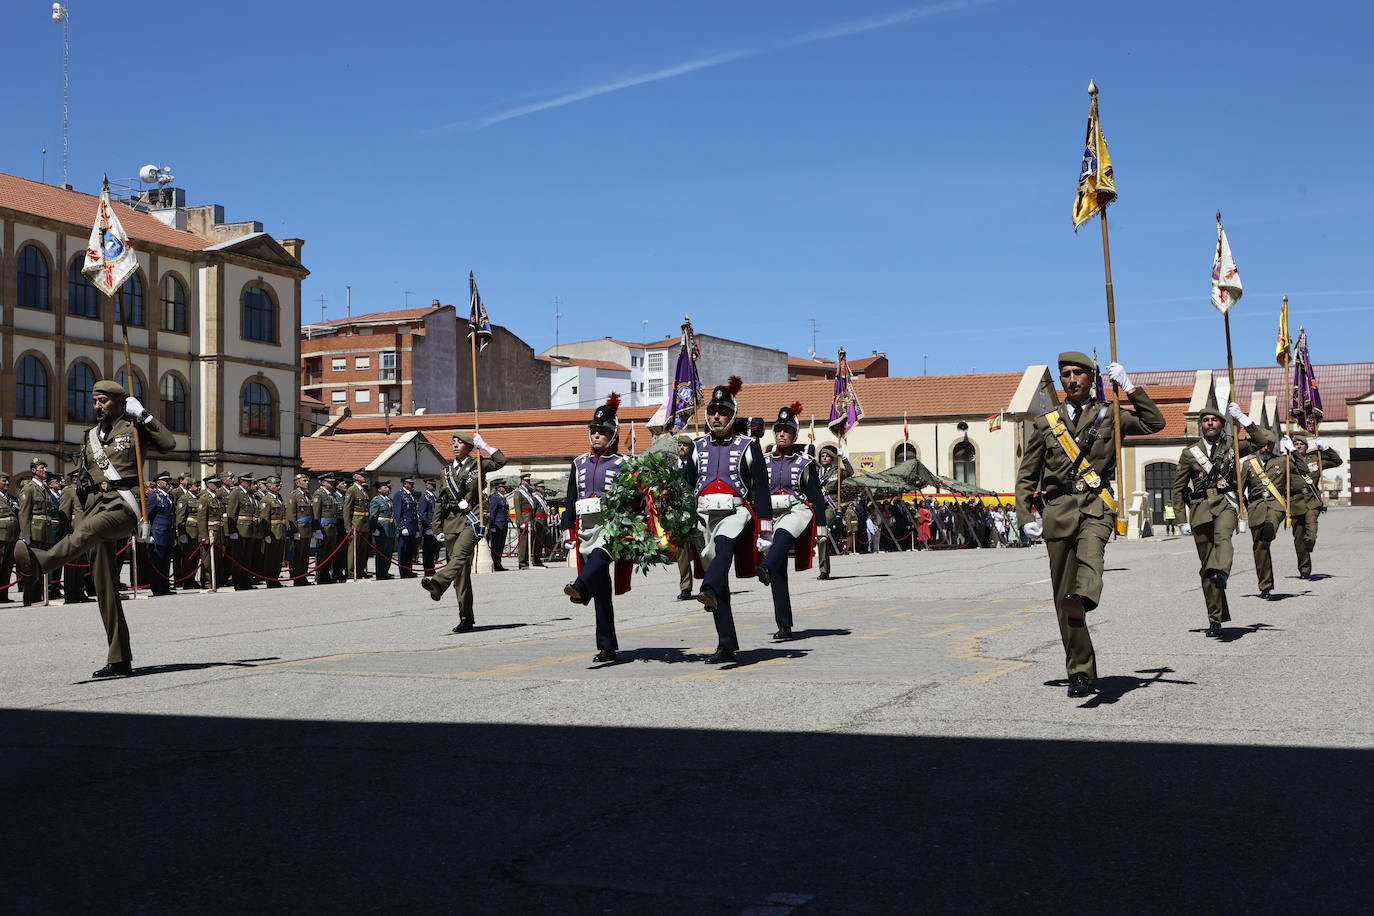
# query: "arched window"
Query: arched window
966,463
83,299
173,304
80,381
1159,488
33,278
259,315
904,451
129,301
174,412
31,388
259,411
137,390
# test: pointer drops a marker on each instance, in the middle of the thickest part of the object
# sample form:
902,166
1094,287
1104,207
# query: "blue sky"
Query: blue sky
902,173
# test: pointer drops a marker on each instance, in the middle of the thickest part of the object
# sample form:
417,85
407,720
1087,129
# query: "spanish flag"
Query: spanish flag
1283,346
1096,182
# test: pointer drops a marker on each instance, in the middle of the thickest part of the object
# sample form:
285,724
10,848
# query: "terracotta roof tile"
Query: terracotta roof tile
344,453
1339,382
79,210
541,442
819,362
589,363
927,395
370,317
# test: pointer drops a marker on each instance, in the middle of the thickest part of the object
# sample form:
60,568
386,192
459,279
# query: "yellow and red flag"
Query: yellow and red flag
1284,345
1096,181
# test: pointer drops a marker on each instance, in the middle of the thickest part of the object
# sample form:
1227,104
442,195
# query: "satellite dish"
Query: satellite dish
148,174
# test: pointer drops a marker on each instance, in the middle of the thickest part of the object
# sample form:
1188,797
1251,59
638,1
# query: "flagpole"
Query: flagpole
476,416
138,448
1288,459
1235,438
1122,523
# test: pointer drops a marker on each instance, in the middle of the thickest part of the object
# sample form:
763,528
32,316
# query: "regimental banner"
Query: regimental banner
479,322
845,410
1226,287
685,394
995,422
110,259
1096,180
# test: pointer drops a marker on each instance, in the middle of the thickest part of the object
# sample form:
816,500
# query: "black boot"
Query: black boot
1214,630
605,655
577,593
1080,685
115,669
720,657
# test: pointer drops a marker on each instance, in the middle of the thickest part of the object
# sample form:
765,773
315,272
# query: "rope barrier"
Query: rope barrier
257,575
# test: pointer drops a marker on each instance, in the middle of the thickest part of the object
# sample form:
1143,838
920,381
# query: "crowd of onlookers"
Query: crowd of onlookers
929,524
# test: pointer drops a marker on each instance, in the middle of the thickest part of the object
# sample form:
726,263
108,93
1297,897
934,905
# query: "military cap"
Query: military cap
331,477
604,417
213,478
1298,436
300,477
165,475
4,476
407,480
723,396
830,447
248,477
360,473
109,388
463,437
227,474
271,479
684,438
383,483
526,476
1210,412
38,461
1074,358
787,418
431,480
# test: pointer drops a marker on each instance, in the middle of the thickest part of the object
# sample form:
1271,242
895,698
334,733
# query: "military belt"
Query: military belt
305,519
328,521
384,518
248,518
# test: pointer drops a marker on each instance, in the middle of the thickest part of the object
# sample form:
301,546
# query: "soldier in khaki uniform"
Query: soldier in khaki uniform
241,517
1206,487
75,572
1070,460
1307,502
455,512
272,524
329,529
9,533
830,475
210,512
300,512
187,525
1263,474
109,511
356,517
685,586
35,518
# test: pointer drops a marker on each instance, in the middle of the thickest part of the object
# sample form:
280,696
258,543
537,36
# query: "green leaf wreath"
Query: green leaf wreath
649,489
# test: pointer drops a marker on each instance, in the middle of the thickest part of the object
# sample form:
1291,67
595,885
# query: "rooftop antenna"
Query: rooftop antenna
408,295
348,302
62,15
812,352
556,315
322,301
43,173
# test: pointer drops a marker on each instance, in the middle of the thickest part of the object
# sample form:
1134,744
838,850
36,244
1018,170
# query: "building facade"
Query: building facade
213,312
576,383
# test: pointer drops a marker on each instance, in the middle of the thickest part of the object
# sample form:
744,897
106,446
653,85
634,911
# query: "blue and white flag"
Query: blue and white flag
110,259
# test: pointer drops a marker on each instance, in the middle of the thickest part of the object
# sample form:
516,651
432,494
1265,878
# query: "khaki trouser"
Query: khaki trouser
1076,569
458,571
329,540
1214,551
1265,519
1305,537
684,570
300,559
107,522
272,555
357,555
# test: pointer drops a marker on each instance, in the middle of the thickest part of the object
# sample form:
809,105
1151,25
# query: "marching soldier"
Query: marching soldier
684,555
355,515
328,530
9,534
456,522
405,509
527,549
272,523
188,531
734,511
300,510
210,521
161,518
1206,487
241,515
382,529
798,522
498,521
424,518
1263,475
35,516
828,464
75,572
1307,501
109,509
1070,457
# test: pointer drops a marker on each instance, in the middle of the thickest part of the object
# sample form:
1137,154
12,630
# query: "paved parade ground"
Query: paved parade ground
338,748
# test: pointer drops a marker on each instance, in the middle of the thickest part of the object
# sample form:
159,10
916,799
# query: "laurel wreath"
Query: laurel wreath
649,512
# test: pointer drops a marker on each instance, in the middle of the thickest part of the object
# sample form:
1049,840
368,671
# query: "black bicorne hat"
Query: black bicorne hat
604,416
723,396
787,417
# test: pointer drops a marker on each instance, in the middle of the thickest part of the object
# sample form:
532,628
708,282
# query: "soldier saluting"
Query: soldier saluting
457,523
109,508
1070,457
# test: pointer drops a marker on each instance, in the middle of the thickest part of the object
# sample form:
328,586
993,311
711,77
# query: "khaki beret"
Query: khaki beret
300,477
684,438
109,388
1210,412
37,462
1298,436
464,437
1074,358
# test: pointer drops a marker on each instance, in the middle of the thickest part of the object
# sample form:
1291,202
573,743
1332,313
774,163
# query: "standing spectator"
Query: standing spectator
1170,518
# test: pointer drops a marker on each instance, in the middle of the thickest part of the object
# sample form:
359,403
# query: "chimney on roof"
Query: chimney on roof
293,247
208,220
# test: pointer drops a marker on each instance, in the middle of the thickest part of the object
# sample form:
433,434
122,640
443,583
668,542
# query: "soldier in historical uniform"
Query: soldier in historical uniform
1070,457
424,518
273,524
798,513
241,514
405,509
9,534
210,512
162,521
498,525
109,508
1206,487
1307,503
381,529
589,477
300,513
684,556
35,518
356,517
828,469
456,521
734,511
529,549
1265,509
328,529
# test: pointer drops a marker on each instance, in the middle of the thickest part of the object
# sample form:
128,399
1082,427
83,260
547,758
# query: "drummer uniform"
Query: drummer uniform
796,498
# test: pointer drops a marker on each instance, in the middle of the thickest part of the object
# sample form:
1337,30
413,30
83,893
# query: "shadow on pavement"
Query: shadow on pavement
746,657
147,670
1109,689
1231,634
669,656
834,577
120,813
816,633
494,626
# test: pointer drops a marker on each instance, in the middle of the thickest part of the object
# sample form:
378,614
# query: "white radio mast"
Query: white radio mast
61,14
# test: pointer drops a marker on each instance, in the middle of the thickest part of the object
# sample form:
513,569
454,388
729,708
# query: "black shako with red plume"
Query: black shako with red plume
604,416
787,418
723,396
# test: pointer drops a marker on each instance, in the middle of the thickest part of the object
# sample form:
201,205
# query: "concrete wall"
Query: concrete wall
432,365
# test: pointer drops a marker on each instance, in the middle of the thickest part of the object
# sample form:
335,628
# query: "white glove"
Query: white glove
1235,413
185,539
1316,443
1033,529
233,536
764,544
405,532
822,531
297,536
569,543
267,540
133,407
316,537
481,443
1117,373
1185,528
439,537
524,527
1285,446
